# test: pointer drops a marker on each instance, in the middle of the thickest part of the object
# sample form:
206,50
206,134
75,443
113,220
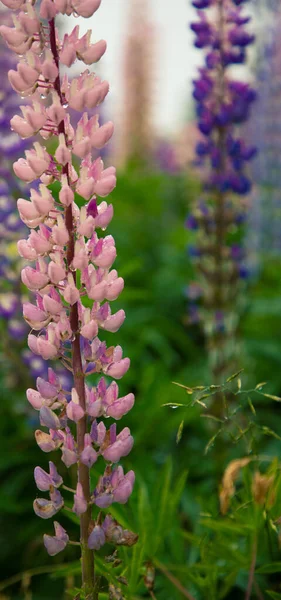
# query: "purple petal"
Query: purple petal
97,538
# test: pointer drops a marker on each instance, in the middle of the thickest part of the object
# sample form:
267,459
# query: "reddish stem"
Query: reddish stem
174,581
252,571
88,574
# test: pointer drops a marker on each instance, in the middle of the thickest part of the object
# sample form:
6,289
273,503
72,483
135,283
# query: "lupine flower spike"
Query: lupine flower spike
223,104
69,261
136,129
10,224
263,235
11,228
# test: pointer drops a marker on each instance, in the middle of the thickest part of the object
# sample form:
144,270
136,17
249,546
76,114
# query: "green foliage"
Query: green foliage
175,507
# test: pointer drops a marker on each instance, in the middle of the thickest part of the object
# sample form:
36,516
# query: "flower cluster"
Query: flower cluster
10,224
11,227
222,105
70,263
264,130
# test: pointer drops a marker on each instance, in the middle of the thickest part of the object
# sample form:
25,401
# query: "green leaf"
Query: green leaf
270,568
227,526
228,583
68,569
163,505
179,433
136,559
195,540
136,563
76,593
177,492
273,595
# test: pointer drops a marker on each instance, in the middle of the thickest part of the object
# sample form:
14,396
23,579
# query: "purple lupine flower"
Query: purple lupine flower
263,225
69,260
165,157
110,531
113,486
222,105
57,543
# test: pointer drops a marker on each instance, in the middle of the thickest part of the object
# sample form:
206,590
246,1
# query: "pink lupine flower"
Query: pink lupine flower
120,407
119,446
86,8
45,441
57,543
74,411
89,455
70,259
48,418
45,481
36,318
69,451
34,279
14,4
48,508
115,487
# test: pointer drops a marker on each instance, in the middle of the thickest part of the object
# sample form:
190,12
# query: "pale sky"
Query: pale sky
176,59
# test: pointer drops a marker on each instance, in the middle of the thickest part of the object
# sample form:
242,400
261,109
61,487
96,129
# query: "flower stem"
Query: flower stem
219,340
87,555
252,571
88,576
174,580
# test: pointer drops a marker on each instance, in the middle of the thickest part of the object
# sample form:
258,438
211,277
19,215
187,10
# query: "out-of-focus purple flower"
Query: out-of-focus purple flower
222,105
165,157
264,218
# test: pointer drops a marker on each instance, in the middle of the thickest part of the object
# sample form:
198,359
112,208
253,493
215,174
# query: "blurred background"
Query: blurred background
150,64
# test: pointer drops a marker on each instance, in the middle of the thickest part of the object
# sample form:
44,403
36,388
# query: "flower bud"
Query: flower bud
88,456
80,504
74,411
48,10
97,538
